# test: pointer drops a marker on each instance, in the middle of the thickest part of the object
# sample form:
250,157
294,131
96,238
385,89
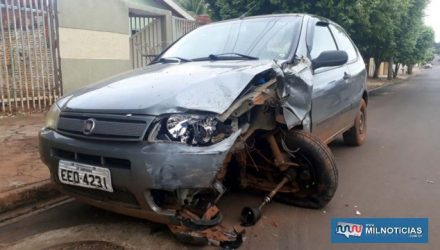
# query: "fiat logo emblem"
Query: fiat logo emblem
89,126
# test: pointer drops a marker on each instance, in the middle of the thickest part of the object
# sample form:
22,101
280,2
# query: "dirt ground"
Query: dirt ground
19,159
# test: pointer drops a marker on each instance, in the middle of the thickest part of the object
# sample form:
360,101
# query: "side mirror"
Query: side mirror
330,58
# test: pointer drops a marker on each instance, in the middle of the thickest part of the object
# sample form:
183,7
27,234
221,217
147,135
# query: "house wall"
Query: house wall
94,41
150,3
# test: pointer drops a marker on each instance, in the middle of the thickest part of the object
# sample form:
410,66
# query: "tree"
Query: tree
408,33
424,45
195,7
422,50
376,36
437,48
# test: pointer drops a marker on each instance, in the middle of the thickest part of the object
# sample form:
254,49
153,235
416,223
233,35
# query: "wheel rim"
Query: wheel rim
306,174
362,123
307,177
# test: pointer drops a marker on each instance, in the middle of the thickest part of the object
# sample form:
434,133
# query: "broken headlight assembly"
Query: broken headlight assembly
202,130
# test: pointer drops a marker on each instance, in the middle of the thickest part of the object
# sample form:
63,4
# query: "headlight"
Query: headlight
190,129
52,116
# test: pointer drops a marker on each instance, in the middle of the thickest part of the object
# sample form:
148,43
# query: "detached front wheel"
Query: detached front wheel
317,175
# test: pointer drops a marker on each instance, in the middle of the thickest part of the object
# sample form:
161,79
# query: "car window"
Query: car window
322,41
265,38
271,42
217,38
344,43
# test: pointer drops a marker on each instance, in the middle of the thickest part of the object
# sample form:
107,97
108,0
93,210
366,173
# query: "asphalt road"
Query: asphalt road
395,174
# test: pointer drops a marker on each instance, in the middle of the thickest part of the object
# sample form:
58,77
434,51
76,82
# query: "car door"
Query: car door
355,78
331,93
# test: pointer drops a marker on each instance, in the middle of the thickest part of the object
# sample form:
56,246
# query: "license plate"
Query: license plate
83,175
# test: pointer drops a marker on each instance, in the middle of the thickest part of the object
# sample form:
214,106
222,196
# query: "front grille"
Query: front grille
95,160
107,127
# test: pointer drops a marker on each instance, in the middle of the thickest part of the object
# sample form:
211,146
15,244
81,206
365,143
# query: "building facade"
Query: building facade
52,47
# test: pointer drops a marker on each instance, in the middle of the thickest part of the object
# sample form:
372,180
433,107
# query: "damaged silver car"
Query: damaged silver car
248,103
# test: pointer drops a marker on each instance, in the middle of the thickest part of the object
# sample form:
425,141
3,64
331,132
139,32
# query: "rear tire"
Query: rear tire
320,166
356,135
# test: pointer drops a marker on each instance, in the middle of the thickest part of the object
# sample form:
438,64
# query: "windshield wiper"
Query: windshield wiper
226,56
172,60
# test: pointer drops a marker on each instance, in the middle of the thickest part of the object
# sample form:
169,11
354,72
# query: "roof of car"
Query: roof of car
278,15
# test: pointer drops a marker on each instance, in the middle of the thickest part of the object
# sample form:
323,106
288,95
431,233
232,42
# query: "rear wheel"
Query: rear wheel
317,175
356,135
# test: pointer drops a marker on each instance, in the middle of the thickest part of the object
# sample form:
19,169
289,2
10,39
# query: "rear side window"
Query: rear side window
344,43
322,41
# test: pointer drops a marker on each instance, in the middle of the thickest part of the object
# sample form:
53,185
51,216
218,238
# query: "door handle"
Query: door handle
346,76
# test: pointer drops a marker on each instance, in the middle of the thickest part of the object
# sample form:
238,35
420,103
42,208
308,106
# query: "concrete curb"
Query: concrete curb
27,195
393,83
387,84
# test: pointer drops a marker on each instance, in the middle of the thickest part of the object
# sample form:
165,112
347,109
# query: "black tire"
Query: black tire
319,161
356,135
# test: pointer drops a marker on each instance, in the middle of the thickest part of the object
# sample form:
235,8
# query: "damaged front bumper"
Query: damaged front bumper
148,168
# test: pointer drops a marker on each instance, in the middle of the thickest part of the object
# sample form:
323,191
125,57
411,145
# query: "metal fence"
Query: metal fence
182,26
147,40
30,76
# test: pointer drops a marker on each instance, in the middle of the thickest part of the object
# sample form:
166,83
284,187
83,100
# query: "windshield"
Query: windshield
263,38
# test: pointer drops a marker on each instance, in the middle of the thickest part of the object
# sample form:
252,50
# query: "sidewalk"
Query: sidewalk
382,81
23,177
20,163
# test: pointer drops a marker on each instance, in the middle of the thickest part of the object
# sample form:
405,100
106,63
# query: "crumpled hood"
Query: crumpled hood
210,86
